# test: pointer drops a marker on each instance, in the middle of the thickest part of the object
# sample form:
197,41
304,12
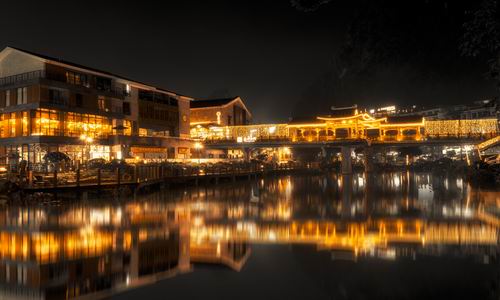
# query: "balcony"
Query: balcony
21,78
113,90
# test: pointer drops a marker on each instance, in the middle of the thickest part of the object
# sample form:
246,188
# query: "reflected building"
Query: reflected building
95,251
98,248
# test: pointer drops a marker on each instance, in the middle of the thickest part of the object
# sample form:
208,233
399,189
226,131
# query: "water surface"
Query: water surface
383,236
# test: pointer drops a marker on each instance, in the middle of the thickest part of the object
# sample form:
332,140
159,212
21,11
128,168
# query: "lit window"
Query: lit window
143,132
101,103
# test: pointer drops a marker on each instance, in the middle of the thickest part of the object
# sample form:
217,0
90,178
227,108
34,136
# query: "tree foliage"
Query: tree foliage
482,36
308,5
408,51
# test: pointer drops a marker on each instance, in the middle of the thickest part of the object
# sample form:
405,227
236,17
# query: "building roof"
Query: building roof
209,103
201,103
75,65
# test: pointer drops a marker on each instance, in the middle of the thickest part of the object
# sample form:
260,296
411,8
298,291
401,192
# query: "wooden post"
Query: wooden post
136,179
99,178
55,177
30,177
78,177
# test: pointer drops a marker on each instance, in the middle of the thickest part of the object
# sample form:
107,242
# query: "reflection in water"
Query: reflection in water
101,247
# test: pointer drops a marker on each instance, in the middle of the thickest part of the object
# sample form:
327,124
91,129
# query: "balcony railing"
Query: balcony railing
28,76
20,78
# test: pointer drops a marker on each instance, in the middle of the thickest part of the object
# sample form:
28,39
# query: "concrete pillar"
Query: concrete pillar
346,159
368,161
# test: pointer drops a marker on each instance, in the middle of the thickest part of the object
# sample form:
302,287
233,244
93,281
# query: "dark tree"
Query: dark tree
482,36
404,51
308,5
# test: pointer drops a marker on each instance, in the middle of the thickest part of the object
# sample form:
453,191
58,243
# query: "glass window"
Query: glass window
77,79
56,97
22,95
24,123
79,100
25,95
126,108
7,98
101,104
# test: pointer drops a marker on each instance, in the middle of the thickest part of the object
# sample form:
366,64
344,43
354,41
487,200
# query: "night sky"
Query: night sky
280,60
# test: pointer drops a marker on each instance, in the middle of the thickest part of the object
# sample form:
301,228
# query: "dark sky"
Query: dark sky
267,52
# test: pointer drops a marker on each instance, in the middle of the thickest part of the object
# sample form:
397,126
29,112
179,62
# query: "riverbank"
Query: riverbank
138,178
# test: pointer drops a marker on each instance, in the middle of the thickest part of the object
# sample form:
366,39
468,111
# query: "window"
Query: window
143,132
24,123
56,97
146,95
22,274
7,98
77,79
103,84
101,103
126,108
79,100
55,123
22,95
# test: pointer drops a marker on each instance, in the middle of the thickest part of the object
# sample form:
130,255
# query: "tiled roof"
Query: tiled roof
75,65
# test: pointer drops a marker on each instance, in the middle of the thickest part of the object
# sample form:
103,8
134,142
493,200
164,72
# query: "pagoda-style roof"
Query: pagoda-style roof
356,117
356,120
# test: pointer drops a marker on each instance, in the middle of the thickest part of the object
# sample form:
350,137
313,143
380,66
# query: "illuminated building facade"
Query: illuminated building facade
49,105
210,116
214,113
354,125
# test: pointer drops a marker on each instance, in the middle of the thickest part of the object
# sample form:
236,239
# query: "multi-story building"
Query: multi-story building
49,105
220,112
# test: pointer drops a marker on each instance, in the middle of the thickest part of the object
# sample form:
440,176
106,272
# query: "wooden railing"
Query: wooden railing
136,174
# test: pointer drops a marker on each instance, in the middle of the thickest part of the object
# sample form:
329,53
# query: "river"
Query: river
395,235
